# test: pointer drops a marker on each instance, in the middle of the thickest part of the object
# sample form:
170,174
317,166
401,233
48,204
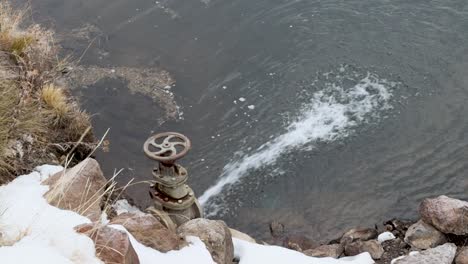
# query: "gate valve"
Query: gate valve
170,193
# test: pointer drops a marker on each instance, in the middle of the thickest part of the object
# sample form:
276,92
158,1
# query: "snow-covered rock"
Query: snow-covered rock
149,231
122,206
385,236
215,235
196,252
33,231
242,236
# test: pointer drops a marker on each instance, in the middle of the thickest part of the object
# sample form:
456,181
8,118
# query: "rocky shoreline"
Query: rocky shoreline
440,236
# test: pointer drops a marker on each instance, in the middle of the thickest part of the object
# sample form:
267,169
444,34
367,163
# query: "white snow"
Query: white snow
122,206
250,253
32,231
385,236
412,253
47,170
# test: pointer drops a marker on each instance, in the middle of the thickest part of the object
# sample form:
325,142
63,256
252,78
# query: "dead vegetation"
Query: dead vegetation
39,121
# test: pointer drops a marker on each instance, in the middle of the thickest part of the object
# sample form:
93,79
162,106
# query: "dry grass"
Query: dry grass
39,121
19,44
55,99
8,100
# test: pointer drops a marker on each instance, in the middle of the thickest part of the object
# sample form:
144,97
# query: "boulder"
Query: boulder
79,189
446,214
276,229
215,235
242,236
439,255
332,251
423,236
149,231
362,234
299,242
462,257
112,246
373,247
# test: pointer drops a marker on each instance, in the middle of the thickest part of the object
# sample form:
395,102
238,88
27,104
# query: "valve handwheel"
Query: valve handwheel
172,147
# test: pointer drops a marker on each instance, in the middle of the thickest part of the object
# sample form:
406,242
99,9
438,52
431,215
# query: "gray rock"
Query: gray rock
462,257
332,251
216,236
423,236
79,189
373,247
439,255
112,246
299,242
446,214
149,231
362,234
276,229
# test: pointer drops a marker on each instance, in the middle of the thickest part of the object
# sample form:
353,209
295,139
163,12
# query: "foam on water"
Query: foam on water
331,114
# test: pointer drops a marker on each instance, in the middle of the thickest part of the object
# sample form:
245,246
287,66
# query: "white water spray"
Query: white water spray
330,115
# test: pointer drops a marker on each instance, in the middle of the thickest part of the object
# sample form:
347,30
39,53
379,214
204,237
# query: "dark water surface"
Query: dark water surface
353,157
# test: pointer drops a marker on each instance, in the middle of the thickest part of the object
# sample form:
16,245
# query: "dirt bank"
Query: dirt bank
39,120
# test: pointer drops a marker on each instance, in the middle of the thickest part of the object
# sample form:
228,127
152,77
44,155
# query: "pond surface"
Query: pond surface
322,115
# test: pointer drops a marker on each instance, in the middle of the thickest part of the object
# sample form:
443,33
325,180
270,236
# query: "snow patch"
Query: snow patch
385,236
196,252
48,170
122,206
250,253
32,231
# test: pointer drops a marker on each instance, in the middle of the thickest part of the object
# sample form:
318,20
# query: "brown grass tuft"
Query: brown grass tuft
20,44
56,100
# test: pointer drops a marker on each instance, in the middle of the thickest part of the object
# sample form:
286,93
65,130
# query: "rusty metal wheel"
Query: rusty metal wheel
167,147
